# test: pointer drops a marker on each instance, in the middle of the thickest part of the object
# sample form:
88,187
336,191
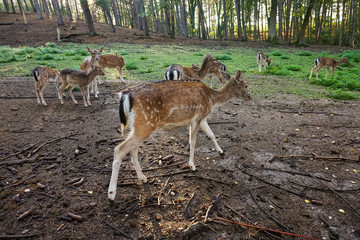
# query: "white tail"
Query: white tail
177,72
73,78
262,60
168,105
43,75
327,63
89,63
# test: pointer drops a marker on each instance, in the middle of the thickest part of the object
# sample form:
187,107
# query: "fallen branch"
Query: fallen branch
315,156
17,153
296,173
212,207
209,179
118,230
266,229
268,214
19,236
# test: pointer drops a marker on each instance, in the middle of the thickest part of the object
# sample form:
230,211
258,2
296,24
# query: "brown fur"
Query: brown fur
262,60
42,76
169,105
327,63
71,78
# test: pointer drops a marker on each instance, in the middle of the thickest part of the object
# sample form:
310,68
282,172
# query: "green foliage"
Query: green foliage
222,57
131,66
352,55
51,45
198,54
45,56
305,53
143,57
345,80
294,68
285,57
277,53
47,63
7,55
341,95
123,53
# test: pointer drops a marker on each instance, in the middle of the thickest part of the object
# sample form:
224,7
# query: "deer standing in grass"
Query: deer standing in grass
169,105
177,72
73,78
327,63
43,75
262,60
219,73
89,63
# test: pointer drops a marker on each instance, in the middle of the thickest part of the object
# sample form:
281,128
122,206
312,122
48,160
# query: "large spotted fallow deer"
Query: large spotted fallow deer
168,105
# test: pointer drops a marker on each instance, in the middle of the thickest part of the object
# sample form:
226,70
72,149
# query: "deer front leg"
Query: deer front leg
42,97
326,72
193,130
84,95
121,74
312,72
205,127
63,85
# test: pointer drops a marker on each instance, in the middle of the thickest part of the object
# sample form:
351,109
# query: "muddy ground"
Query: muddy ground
290,165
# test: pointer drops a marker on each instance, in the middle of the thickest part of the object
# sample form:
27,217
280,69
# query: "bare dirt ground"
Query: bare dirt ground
290,164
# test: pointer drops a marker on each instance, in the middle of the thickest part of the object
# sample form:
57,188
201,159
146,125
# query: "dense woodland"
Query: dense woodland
334,22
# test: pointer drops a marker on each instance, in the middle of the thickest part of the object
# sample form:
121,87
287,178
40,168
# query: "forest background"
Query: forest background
334,22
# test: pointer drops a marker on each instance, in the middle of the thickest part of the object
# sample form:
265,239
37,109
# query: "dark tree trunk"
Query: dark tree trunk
202,20
68,11
88,18
38,10
239,30
288,8
280,9
12,6
116,13
301,38
272,23
243,19
183,18
225,22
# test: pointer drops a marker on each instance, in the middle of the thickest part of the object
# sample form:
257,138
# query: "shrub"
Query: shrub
131,66
305,53
124,53
294,68
352,55
44,57
7,55
143,57
198,54
285,57
223,57
341,95
277,53
51,44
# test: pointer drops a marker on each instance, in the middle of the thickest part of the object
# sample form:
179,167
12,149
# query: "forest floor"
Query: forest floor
290,164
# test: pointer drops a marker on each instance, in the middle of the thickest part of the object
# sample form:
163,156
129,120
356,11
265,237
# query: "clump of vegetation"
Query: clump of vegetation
278,70
277,53
198,54
352,55
345,80
131,66
123,53
143,57
285,57
305,53
51,45
342,95
223,57
45,56
7,55
294,68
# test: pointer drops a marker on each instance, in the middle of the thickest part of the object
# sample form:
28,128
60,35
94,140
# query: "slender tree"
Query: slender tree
238,17
225,21
115,12
272,22
38,10
301,37
353,22
280,30
88,17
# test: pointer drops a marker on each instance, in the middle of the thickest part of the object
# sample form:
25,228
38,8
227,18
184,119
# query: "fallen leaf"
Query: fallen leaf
341,210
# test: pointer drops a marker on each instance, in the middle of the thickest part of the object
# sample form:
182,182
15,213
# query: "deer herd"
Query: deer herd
182,99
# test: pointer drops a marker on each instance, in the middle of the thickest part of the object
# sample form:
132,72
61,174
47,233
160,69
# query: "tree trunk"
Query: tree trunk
115,12
76,10
32,5
342,24
58,13
12,6
178,22
239,30
6,4
202,20
46,8
88,18
68,11
192,6
219,25
288,8
301,37
38,10
272,23
323,16
158,17
183,18
144,19
167,17
353,23
225,21
243,18
256,16
280,31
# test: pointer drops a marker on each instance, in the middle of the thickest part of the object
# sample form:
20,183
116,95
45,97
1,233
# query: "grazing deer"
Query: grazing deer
327,63
112,61
177,72
169,105
220,74
43,75
73,78
262,60
89,63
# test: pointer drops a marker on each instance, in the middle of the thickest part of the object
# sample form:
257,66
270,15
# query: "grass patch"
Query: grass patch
131,66
222,57
305,53
342,95
294,68
277,53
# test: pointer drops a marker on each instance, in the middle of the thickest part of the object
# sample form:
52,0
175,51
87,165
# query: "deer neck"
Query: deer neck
203,71
223,94
90,77
339,62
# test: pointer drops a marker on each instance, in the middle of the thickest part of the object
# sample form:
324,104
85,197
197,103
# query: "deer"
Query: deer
220,74
43,75
89,63
112,61
262,60
168,105
72,78
177,72
327,63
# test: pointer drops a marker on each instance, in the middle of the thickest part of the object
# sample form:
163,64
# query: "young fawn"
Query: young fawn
219,73
73,78
169,105
262,60
89,63
112,61
177,72
43,75
327,63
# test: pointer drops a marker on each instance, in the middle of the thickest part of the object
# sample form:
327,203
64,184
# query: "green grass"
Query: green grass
288,73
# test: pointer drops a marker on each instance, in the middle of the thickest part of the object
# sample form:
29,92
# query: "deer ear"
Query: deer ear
101,49
238,74
88,49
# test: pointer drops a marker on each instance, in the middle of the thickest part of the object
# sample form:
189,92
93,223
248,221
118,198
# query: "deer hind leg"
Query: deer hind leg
71,94
121,74
37,93
312,70
40,92
84,94
193,130
135,160
205,127
130,144
327,69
